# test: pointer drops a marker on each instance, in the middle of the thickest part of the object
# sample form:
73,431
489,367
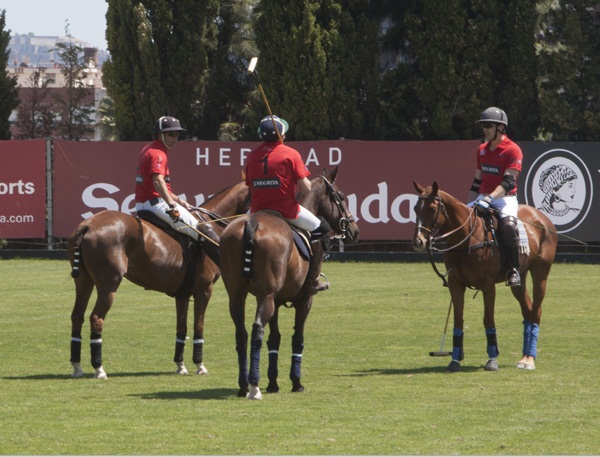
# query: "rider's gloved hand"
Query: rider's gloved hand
483,204
173,213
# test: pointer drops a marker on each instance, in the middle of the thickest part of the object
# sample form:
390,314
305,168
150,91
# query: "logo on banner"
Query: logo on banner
560,185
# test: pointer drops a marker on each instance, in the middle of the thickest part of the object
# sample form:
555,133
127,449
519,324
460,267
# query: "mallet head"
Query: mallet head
252,65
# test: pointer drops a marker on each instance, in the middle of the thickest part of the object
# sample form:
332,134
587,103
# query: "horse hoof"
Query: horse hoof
529,366
100,373
273,387
454,367
254,393
297,387
243,392
491,365
181,369
201,369
77,371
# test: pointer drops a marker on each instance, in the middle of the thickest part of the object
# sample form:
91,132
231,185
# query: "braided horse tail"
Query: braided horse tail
77,261
248,239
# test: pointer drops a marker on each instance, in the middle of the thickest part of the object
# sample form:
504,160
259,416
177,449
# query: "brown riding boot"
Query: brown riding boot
320,244
314,270
210,246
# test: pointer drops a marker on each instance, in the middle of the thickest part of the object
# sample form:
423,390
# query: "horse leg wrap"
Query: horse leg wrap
457,345
179,347
492,343
96,349
297,349
273,345
534,333
198,346
255,347
76,262
241,347
526,336
76,347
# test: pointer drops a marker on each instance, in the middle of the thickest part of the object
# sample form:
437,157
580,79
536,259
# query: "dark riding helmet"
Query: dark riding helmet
266,129
493,114
168,124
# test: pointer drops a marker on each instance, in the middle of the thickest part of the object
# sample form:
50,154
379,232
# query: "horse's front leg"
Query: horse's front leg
489,322
200,305
457,292
302,310
181,309
273,344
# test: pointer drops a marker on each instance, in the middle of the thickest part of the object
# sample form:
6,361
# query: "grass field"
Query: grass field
371,387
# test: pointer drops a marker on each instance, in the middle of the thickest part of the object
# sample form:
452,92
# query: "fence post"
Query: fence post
49,194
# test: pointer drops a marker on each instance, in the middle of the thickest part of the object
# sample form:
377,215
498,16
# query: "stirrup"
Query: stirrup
321,286
513,278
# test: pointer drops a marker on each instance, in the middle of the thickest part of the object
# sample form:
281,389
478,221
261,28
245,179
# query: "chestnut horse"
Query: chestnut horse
277,274
473,261
111,245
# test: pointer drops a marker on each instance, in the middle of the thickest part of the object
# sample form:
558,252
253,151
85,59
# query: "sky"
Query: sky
86,18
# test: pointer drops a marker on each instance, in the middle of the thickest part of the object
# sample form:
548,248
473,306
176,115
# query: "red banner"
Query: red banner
23,189
375,176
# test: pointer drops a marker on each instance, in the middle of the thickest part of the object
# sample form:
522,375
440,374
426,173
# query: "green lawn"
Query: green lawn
371,387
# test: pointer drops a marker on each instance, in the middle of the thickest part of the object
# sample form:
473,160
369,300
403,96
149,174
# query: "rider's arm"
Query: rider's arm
500,191
304,185
161,187
473,193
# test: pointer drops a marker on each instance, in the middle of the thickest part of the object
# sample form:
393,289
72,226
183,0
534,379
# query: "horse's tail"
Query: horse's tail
77,262
248,239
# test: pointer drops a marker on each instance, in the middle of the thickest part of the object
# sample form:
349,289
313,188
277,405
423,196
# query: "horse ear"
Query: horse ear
333,175
434,188
418,187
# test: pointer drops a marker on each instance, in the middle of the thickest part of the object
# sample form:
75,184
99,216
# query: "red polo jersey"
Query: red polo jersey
272,170
493,164
152,160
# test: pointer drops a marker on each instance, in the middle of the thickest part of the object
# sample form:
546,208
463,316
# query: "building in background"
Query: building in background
34,60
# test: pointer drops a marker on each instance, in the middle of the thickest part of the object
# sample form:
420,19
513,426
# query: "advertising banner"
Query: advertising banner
376,177
560,179
23,189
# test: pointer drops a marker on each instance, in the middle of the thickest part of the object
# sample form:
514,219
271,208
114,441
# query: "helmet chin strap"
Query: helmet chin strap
502,132
162,140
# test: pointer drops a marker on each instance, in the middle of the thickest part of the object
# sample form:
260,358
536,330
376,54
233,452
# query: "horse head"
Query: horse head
431,215
328,201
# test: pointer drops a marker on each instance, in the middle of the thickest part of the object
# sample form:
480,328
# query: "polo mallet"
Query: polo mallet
441,352
252,70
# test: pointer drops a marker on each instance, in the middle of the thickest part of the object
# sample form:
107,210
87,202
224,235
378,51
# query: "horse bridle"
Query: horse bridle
434,230
347,217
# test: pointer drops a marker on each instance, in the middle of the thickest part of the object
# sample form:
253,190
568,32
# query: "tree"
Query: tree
9,93
569,67
159,65
35,118
319,59
74,114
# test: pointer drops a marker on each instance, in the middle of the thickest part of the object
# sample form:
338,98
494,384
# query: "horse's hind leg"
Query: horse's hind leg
83,291
104,302
266,309
237,305
181,307
273,344
200,304
532,315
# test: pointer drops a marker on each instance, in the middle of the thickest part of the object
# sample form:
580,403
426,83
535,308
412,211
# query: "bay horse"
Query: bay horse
276,275
111,245
473,261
